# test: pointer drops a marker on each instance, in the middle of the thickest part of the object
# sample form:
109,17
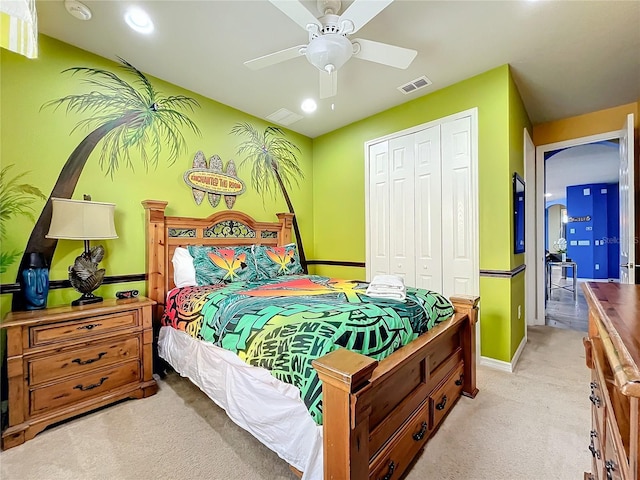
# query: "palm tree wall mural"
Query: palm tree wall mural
124,116
15,199
273,164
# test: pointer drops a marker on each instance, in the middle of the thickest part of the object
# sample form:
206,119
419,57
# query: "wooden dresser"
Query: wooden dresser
613,355
65,361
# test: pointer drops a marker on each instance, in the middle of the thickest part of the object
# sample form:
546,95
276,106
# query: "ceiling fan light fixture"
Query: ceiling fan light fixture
329,52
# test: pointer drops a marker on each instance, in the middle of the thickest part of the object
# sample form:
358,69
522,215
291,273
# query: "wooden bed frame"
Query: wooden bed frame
377,415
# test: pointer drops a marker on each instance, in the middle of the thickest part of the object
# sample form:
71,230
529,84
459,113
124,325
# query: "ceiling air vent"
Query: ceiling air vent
414,85
284,117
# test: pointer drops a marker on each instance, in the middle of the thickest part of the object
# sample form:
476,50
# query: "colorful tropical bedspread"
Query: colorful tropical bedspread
284,323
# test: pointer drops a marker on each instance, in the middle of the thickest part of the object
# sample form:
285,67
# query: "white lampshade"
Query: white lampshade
81,220
329,52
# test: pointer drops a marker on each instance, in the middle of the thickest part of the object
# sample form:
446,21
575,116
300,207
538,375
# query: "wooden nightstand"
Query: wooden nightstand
65,361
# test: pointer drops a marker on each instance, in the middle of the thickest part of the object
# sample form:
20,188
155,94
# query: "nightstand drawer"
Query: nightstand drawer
45,368
78,388
82,328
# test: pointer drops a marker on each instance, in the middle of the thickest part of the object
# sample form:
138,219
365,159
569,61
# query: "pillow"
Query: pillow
223,264
184,273
274,262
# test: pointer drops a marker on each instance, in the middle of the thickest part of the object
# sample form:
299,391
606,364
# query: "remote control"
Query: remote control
127,294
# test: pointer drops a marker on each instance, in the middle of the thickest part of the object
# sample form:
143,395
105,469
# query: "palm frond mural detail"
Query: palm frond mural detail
124,116
274,165
16,199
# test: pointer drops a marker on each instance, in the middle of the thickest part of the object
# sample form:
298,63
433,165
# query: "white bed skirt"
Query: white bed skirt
271,410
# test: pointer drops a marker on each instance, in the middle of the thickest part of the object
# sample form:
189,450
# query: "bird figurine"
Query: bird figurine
85,276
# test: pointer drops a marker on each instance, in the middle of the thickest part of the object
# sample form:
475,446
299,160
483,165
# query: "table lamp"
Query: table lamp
83,220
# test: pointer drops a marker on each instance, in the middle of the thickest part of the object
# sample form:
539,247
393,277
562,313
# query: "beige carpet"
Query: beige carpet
532,424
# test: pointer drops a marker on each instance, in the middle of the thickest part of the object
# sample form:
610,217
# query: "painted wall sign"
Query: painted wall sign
586,218
212,180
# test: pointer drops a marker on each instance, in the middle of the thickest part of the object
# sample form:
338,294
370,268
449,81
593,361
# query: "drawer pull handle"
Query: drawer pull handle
595,400
592,448
440,406
610,467
91,326
420,435
91,360
593,385
91,387
392,467
459,381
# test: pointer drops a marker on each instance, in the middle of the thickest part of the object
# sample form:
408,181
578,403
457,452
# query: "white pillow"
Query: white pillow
184,273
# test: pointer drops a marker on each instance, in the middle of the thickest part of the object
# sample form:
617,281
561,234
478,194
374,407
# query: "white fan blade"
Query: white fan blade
296,12
360,12
328,84
276,57
384,53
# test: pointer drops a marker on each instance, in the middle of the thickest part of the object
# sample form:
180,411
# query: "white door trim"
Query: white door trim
530,286
540,253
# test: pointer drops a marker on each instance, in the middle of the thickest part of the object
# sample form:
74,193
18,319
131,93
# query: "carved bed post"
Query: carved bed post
286,220
155,254
468,304
346,413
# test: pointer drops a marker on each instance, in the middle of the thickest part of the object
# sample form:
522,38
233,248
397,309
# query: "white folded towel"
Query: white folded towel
387,282
399,295
387,286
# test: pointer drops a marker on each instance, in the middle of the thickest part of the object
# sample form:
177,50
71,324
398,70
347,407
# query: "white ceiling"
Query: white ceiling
581,165
568,57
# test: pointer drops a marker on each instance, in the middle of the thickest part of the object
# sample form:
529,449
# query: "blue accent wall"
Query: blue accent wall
593,219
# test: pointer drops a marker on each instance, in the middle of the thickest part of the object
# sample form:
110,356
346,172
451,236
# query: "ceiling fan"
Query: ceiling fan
329,44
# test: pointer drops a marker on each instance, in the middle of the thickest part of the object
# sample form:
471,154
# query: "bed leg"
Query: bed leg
345,413
468,304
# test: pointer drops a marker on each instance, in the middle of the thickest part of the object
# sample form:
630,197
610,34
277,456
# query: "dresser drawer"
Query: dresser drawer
82,328
78,388
615,458
596,447
51,367
445,396
395,457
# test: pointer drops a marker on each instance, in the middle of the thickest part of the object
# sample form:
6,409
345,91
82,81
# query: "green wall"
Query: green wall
39,142
329,203
339,178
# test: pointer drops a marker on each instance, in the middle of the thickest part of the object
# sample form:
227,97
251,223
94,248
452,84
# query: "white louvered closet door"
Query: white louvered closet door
402,208
458,251
378,210
421,217
428,209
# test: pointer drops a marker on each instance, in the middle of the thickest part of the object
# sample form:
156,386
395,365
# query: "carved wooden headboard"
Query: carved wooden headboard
164,234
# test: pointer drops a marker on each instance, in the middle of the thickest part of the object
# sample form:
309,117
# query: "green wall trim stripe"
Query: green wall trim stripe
55,284
339,263
503,273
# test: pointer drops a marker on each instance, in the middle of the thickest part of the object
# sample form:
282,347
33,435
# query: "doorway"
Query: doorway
582,212
538,288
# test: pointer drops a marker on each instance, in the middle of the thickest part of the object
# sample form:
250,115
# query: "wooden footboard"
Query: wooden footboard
379,415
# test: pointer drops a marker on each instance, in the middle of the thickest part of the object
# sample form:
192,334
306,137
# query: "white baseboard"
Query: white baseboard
502,365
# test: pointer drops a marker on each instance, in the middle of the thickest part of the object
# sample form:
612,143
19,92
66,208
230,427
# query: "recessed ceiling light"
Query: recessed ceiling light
309,105
138,19
548,195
